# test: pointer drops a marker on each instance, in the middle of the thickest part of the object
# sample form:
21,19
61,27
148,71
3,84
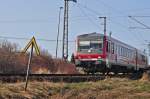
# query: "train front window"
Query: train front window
94,46
84,45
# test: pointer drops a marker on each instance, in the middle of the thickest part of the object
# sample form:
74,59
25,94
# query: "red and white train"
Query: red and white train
98,53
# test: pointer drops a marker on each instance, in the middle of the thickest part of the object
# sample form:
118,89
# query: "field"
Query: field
110,88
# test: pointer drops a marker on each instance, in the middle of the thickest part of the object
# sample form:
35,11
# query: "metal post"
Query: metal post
104,47
65,29
58,30
28,68
65,32
105,44
109,55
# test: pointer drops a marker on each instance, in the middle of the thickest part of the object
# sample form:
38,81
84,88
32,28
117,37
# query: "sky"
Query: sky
39,18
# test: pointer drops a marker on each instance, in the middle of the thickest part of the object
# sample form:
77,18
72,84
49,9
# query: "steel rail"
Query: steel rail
12,78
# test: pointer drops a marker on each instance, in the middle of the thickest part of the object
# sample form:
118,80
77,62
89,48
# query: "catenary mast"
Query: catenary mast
65,30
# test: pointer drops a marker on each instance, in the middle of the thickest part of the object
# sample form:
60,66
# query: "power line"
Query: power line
136,10
108,6
89,9
25,21
97,13
126,29
118,11
89,19
39,39
141,23
138,28
145,16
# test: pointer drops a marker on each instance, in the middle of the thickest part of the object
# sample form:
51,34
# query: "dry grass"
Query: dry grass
111,88
12,62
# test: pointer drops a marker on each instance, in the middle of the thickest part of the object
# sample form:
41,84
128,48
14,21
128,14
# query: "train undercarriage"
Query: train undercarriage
94,67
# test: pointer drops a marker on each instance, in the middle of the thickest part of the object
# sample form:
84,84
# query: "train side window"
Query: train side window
143,58
112,48
127,53
121,51
116,49
108,47
130,54
124,52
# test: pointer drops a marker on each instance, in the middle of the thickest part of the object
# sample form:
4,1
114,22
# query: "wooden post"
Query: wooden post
28,68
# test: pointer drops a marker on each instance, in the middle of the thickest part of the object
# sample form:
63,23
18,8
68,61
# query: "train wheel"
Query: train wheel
86,71
104,72
115,72
94,70
72,59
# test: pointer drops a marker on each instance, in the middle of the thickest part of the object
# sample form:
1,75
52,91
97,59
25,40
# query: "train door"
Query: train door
136,60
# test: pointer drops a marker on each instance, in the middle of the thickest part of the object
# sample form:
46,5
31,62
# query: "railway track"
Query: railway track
13,78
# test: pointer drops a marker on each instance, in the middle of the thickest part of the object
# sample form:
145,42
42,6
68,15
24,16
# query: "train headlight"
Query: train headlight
79,57
99,57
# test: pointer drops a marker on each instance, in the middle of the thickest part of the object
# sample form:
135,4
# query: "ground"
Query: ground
110,88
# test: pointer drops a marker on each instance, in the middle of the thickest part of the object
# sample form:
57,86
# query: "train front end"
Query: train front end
89,52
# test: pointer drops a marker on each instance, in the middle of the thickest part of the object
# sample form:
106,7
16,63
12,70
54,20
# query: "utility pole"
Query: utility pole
109,55
65,30
105,44
58,30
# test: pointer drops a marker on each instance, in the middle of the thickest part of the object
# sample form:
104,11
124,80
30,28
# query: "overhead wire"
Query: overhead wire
97,13
86,15
39,39
141,23
118,11
135,36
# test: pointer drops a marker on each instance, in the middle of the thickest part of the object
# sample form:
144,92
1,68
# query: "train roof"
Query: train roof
90,36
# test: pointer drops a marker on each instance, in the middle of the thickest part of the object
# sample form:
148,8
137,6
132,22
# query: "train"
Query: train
97,52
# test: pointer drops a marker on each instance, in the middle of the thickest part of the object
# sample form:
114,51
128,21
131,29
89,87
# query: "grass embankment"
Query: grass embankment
111,88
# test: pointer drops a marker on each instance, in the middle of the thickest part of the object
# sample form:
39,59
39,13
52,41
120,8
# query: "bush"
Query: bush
13,62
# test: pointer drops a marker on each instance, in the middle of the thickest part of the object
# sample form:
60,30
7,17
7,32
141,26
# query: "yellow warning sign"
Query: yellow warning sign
30,44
